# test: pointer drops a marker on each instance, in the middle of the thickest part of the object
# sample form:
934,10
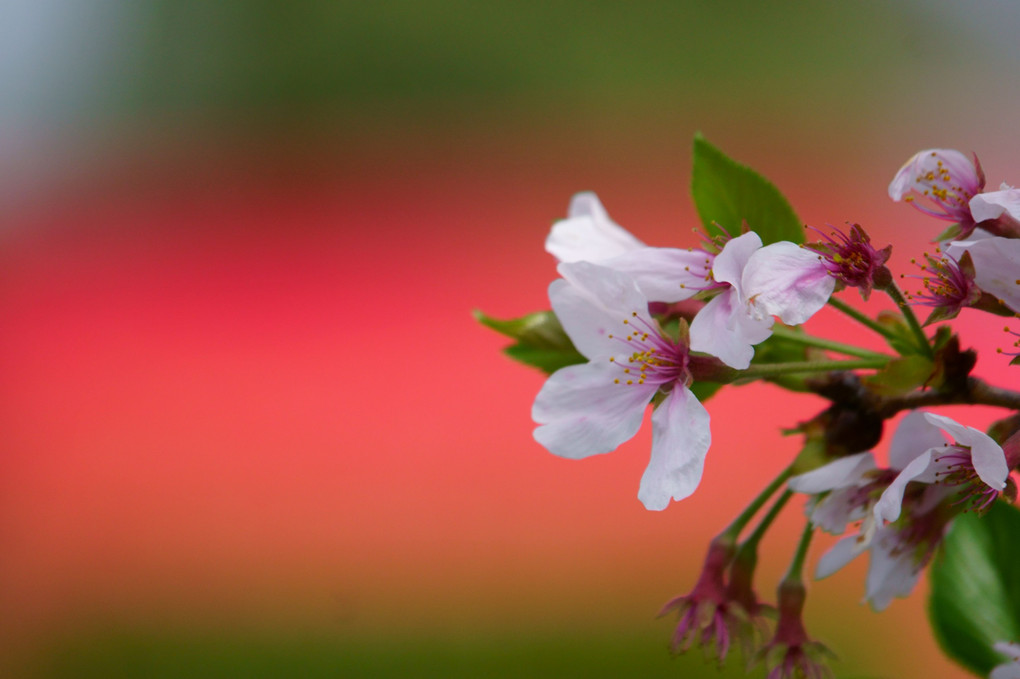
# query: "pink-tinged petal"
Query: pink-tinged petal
586,322
786,280
1007,648
729,264
833,512
985,454
914,436
841,553
724,329
993,204
892,571
665,274
592,305
840,473
890,504
680,441
588,234
581,412
996,266
1011,669
912,176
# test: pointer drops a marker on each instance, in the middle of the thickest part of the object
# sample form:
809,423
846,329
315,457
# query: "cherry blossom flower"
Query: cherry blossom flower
947,286
945,180
968,471
592,408
726,326
794,281
1010,669
847,490
996,266
663,274
972,463
971,470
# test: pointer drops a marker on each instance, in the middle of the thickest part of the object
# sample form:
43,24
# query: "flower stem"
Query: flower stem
862,318
838,347
774,369
796,570
751,543
732,531
896,294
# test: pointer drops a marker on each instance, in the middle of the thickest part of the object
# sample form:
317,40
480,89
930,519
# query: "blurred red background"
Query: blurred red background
243,389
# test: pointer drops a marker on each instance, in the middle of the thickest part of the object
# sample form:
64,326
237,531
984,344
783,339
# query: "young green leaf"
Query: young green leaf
975,587
541,341
728,194
902,375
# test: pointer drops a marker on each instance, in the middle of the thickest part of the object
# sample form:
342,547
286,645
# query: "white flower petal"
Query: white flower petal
665,274
890,504
593,304
786,280
846,471
581,412
840,507
729,264
914,435
996,266
842,553
913,175
588,234
1010,649
724,329
891,573
985,454
992,204
680,441
1010,670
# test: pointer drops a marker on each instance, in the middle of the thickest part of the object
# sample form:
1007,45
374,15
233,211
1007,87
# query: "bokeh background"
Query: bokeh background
249,426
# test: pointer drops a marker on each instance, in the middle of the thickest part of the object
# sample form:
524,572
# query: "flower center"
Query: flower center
1015,345
950,197
956,468
654,358
919,535
945,285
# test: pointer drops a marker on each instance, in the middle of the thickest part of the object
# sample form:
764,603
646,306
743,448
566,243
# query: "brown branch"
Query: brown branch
974,392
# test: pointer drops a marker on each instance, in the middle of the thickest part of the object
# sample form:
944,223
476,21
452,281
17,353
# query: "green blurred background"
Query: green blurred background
389,166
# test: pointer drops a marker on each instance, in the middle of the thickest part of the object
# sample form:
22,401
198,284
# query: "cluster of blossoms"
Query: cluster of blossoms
652,325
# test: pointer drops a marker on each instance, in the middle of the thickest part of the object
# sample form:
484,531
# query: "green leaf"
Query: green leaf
541,341
901,375
975,587
779,349
728,194
900,337
952,231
